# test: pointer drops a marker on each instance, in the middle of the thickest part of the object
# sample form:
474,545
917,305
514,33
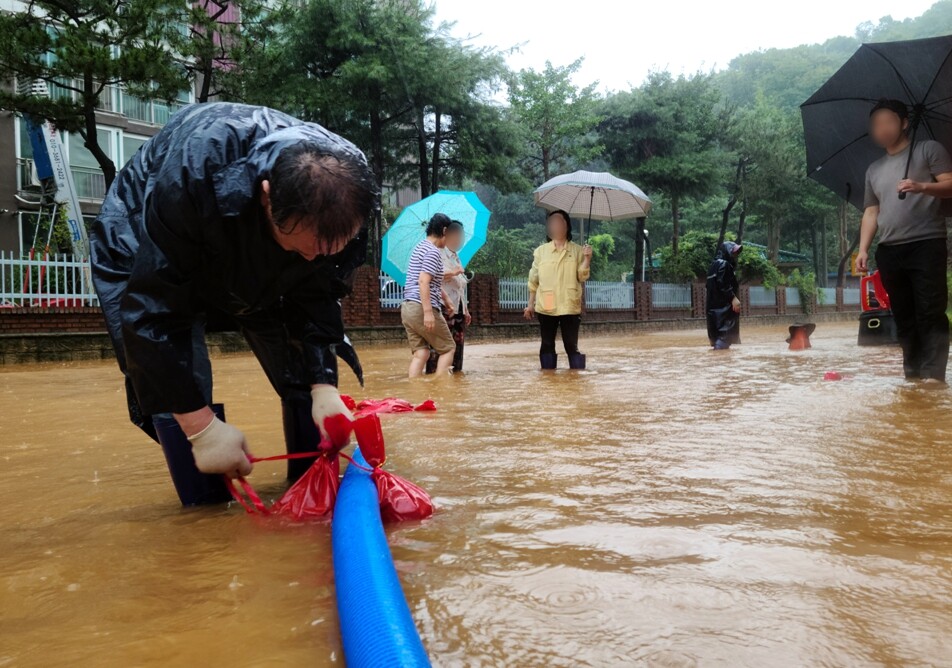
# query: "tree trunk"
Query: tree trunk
731,201
676,222
844,233
773,239
824,255
377,165
208,69
741,221
437,142
91,138
545,164
816,253
423,156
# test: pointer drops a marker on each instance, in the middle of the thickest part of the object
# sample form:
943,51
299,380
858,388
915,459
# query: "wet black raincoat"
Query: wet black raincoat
722,287
182,236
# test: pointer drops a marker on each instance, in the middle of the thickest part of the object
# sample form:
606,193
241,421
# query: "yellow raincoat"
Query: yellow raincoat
557,278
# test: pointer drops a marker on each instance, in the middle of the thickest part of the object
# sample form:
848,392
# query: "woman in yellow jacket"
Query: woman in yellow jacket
556,280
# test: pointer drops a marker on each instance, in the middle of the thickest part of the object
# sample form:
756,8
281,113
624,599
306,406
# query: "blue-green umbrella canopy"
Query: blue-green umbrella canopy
410,229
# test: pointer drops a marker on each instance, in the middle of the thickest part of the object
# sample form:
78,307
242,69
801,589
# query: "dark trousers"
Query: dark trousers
549,325
914,276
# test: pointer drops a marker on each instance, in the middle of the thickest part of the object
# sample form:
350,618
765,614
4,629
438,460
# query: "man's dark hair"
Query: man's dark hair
568,223
440,224
331,194
898,107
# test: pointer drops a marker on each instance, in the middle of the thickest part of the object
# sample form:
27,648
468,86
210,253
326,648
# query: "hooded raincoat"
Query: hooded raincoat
182,237
722,322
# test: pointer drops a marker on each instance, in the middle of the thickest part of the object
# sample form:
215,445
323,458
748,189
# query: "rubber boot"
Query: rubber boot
194,487
576,361
300,434
549,360
721,344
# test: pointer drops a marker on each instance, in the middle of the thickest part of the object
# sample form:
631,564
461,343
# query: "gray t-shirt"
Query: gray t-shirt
917,217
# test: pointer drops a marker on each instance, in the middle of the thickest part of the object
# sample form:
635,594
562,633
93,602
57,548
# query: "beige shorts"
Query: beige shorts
438,338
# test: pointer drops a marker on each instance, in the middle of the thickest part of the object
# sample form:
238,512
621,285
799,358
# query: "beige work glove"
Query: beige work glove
221,448
326,402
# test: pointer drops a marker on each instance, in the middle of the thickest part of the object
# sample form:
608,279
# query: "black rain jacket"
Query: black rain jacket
182,234
722,287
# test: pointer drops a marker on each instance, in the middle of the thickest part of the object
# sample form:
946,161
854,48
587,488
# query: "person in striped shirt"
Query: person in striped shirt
424,298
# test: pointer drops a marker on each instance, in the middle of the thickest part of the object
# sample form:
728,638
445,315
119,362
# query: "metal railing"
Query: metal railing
851,296
391,292
513,293
670,295
761,296
826,296
609,295
90,183
55,281
792,296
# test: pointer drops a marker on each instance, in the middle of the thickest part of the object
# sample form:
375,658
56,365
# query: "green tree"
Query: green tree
556,117
507,254
603,246
83,50
217,30
665,137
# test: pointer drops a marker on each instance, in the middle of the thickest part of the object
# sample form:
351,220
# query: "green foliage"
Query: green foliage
697,253
603,246
805,285
556,120
507,253
665,137
80,49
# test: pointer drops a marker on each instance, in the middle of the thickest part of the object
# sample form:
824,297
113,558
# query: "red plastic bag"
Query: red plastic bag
369,433
314,494
399,498
390,405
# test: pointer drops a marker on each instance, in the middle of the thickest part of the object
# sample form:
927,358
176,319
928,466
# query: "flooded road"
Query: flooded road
668,507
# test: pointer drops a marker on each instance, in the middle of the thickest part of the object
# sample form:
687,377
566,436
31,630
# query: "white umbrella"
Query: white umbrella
595,195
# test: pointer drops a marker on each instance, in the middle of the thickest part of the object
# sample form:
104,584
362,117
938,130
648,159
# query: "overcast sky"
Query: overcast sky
622,41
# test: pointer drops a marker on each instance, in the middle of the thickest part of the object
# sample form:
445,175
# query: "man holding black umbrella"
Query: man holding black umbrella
902,202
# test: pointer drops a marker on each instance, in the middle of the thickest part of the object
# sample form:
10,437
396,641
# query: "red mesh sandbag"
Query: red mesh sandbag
400,499
314,494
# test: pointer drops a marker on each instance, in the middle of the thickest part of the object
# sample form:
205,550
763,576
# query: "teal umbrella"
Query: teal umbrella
410,229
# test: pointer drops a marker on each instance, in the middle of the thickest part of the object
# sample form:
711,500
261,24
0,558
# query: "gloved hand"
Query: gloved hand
221,448
326,403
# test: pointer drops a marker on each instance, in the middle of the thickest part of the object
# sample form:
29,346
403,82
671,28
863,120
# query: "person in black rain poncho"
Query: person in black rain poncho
239,215
723,306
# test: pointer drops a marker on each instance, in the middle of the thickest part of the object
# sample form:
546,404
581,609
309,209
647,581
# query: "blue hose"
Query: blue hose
375,622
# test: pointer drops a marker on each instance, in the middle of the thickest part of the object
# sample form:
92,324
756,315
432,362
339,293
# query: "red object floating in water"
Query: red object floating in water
832,375
389,405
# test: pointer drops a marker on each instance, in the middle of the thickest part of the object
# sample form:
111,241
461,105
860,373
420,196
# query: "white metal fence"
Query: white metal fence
513,293
792,296
826,296
761,296
55,281
851,296
391,292
670,295
609,295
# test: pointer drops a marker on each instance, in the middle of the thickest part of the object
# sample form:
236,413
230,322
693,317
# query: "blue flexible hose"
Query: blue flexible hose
375,622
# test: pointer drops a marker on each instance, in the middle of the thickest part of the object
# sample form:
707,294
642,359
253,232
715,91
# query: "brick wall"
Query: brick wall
51,320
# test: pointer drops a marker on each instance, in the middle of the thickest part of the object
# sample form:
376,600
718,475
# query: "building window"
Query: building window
87,176
131,144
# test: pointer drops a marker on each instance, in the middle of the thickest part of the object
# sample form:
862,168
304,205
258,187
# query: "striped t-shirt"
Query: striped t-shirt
425,258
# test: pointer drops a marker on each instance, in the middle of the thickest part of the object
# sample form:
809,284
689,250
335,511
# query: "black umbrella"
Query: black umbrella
836,117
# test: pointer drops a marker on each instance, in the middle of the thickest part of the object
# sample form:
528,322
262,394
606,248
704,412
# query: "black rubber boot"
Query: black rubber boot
300,434
194,487
576,361
549,360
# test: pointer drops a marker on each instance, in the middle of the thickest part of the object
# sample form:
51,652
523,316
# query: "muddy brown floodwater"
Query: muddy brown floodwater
670,506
